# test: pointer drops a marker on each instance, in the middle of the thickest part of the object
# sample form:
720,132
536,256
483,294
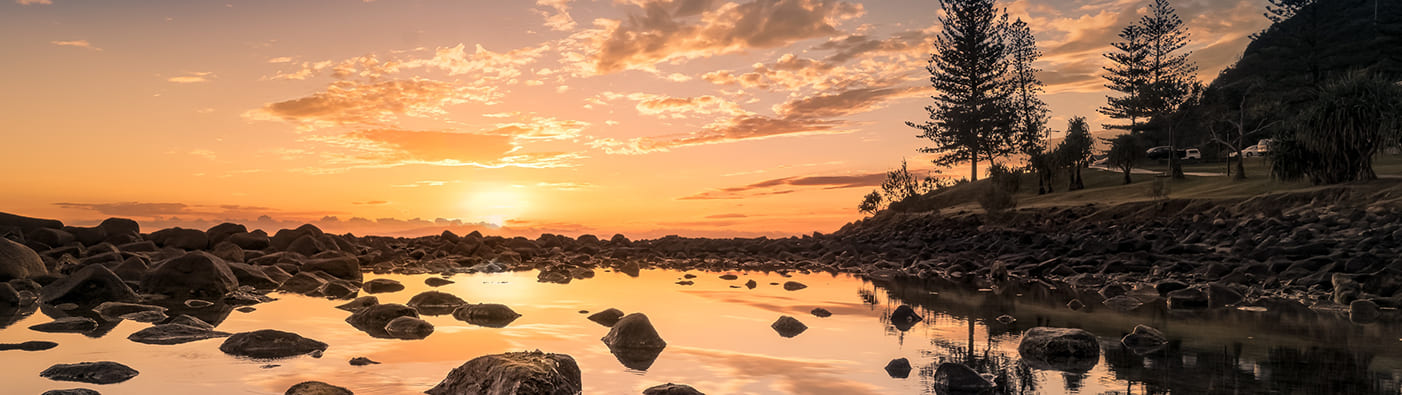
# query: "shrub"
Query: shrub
1336,135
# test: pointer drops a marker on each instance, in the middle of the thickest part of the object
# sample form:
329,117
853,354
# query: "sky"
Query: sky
398,117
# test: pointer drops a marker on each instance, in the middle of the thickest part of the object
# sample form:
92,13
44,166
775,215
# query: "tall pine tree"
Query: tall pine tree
1030,110
1128,74
972,117
1171,76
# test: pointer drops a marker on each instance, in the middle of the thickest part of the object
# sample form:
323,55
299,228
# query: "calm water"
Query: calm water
720,342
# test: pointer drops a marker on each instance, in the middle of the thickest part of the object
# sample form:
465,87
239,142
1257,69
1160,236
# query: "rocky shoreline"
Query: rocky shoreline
1329,249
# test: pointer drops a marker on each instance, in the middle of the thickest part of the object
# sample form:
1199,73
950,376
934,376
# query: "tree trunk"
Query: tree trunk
1127,179
1175,167
973,167
1240,166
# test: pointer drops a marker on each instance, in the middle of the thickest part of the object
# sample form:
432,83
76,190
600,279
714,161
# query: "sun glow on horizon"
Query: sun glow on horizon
496,206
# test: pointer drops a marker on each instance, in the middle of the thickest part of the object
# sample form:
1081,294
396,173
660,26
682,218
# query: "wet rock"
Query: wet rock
788,326
113,310
270,343
793,286
1188,298
513,373
373,319
174,334
1167,286
9,296
631,268
382,285
221,232
1363,311
1075,305
672,389
144,316
1006,319
751,284
18,261
253,276
244,298
821,312
437,281
1065,349
362,361
959,378
729,276
104,372
72,391
187,320
1122,303
490,315
607,317
904,318
436,303
554,276
1219,295
185,239
88,286
409,328
898,368
193,275
67,325
198,303
316,388
359,303
35,345
634,341
227,251
306,283
246,309
1144,340
342,267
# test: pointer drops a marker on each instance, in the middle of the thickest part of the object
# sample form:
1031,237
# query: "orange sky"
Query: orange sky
647,117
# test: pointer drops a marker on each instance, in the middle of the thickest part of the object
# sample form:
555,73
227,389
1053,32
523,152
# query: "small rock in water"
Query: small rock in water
821,312
119,309
359,303
686,282
672,389
316,388
145,316
898,368
959,378
437,281
728,276
788,326
374,319
607,317
173,334
584,311
491,315
1075,305
1064,349
362,361
1006,319
270,343
246,309
794,286
435,303
688,276
634,342
67,325
904,318
1122,303
513,373
104,372
1363,311
34,345
409,328
198,303
751,284
72,391
1144,340
382,285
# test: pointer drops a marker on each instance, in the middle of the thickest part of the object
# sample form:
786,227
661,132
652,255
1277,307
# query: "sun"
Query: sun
496,205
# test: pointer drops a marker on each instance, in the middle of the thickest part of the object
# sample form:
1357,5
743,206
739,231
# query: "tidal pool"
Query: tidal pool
719,341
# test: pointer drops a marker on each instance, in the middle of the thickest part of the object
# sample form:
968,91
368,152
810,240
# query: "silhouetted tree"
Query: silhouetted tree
1128,74
1244,117
1075,150
870,203
1171,76
1030,110
972,117
1125,152
1350,120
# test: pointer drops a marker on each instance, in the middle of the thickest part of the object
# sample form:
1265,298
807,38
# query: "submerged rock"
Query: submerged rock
270,343
113,310
1144,340
513,373
362,361
437,281
359,303
316,388
821,312
1064,349
435,303
904,318
672,389
373,319
174,334
382,285
794,285
751,284
67,325
959,378
409,328
788,326
104,372
72,391
490,315
898,368
1363,311
35,345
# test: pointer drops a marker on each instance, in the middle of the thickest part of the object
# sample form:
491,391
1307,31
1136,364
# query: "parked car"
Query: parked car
1161,152
1156,153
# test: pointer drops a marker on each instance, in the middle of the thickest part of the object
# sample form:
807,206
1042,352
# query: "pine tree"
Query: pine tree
1128,75
1280,10
972,117
1031,111
1171,76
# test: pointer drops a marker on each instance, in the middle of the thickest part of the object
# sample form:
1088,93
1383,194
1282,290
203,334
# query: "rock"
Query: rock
821,312
174,334
554,276
18,261
672,389
284,238
607,317
193,275
634,341
104,372
198,303
1144,340
35,345
751,284
411,328
249,241
1075,305
490,315
220,233
87,236
1167,286
306,283
246,309
788,326
686,282
898,368
88,286
132,269
1006,319
362,361
72,391
1122,303
67,325
1363,311
120,226
49,236
794,286
359,303
112,310
373,319
437,281
316,388
1065,349
252,276
269,344
185,239
9,296
144,316
959,378
243,298
343,267
513,373
729,276
382,285
904,318
227,251
190,321
436,303
631,268
308,246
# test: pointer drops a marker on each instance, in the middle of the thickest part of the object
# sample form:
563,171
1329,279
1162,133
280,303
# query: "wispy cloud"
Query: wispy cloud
73,43
192,77
786,185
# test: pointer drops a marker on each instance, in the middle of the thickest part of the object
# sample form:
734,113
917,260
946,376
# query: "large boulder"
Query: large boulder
270,343
250,241
66,325
672,389
342,267
89,286
382,285
18,261
185,239
960,379
634,341
490,315
174,334
436,303
316,388
25,224
105,372
120,226
49,237
284,238
373,319
252,276
228,251
193,275
513,373
221,232
410,328
1065,349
